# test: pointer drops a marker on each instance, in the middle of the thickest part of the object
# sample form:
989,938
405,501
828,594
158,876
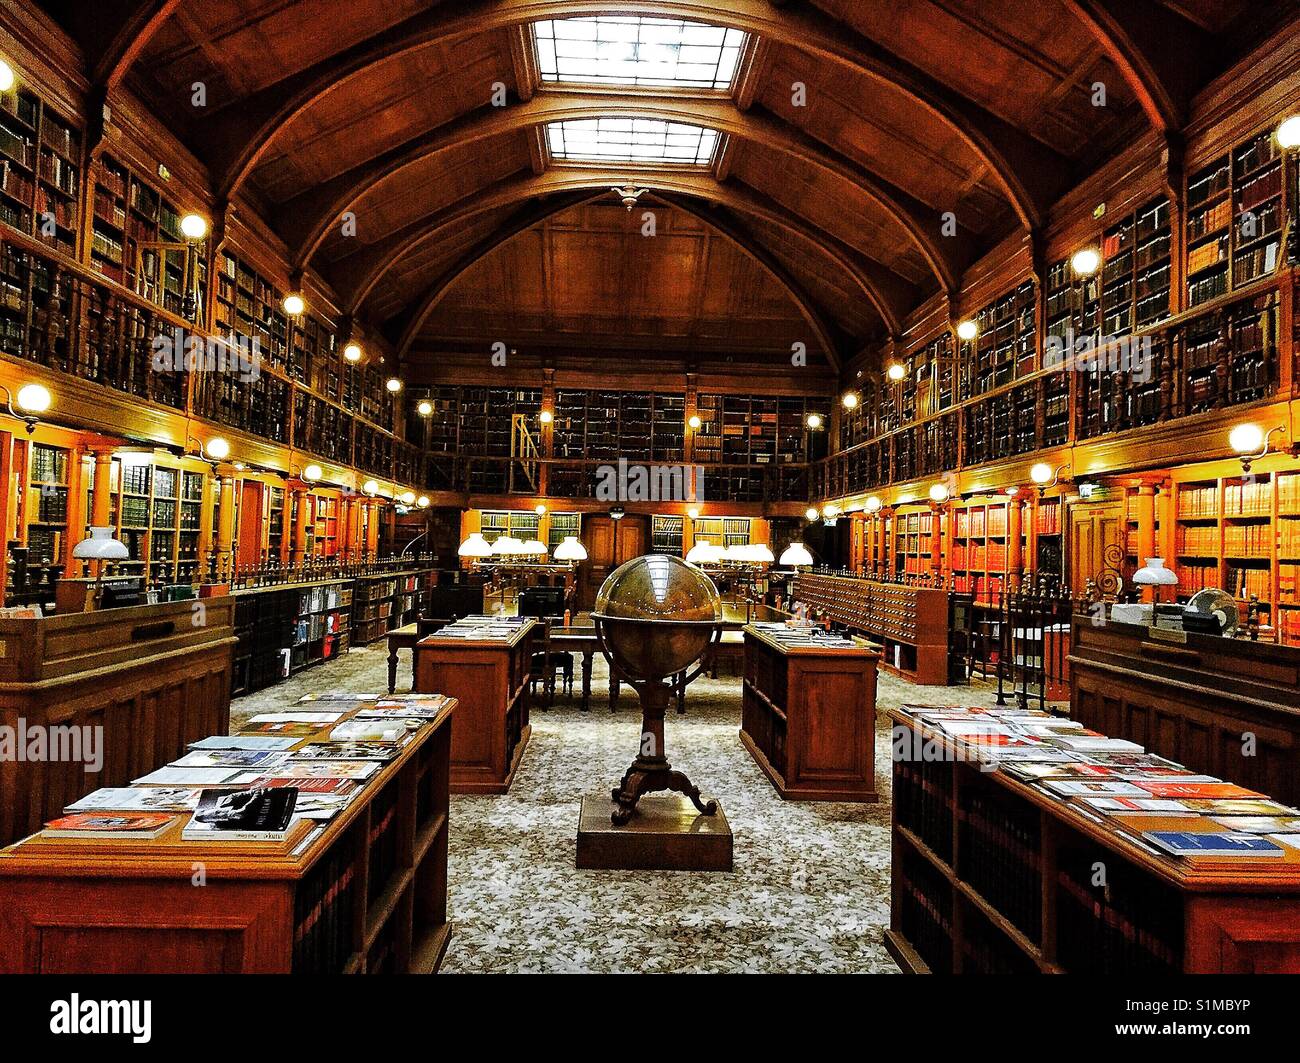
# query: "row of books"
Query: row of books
979,555
1248,498
1244,583
1193,578
1245,540
1198,501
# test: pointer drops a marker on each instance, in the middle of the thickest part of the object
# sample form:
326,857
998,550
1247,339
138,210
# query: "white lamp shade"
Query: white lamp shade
704,553
101,546
796,554
475,546
1154,574
570,550
761,554
534,548
507,546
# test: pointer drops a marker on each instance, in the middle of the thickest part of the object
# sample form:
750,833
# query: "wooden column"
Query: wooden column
226,475
372,527
102,485
1146,530
936,539
1015,549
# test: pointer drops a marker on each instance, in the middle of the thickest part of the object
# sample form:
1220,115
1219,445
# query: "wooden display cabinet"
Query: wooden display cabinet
1227,707
148,675
808,717
364,893
911,623
490,680
993,876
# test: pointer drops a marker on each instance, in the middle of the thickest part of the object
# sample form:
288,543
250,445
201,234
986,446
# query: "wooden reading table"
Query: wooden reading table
489,677
365,892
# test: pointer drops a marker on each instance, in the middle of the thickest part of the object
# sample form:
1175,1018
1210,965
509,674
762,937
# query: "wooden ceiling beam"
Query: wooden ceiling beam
1030,173
305,220
1159,52
112,34
356,275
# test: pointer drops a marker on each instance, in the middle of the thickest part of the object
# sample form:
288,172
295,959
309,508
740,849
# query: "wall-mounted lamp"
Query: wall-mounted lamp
194,227
540,509
1045,477
812,514
214,450
31,401
1012,491
312,473
694,422
294,304
1250,442
424,408
896,371
408,498
939,494
546,417
830,511
873,504
393,385
849,401
370,487
7,78
814,421
1085,262
967,330
422,501
693,512
617,512
352,352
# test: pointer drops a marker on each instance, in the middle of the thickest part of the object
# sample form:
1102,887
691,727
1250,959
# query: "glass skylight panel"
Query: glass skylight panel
631,140
633,50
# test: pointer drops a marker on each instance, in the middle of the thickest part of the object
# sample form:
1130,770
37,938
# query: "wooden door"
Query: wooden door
252,524
609,543
1096,544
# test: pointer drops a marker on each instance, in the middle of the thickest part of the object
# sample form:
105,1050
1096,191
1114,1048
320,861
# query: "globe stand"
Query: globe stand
651,772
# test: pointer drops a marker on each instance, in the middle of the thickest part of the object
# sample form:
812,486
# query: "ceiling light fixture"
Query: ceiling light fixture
896,372
393,385
194,227
294,304
352,352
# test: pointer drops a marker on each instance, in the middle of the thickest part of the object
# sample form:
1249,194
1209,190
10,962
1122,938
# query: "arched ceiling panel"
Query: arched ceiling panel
589,275
388,105
425,188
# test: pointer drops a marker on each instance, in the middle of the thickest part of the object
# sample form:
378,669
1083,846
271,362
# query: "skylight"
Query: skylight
633,50
631,140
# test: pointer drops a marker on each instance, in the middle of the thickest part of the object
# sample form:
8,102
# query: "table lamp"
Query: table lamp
1154,574
100,547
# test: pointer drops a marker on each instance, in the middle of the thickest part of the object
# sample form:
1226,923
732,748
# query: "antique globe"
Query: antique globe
657,615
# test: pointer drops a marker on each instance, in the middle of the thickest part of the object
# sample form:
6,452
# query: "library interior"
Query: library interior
667,486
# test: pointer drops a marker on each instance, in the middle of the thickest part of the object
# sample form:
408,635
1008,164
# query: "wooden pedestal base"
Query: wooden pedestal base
666,834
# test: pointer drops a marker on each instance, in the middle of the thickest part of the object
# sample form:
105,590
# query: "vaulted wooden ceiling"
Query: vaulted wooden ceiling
852,127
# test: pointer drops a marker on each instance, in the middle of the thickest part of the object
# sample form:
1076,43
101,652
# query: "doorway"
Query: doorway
609,543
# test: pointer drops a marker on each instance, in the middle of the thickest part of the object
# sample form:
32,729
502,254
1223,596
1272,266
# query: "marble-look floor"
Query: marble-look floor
810,889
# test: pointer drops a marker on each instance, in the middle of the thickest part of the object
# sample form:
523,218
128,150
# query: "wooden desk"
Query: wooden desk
153,677
490,680
401,638
808,717
1195,701
993,875
368,893
583,640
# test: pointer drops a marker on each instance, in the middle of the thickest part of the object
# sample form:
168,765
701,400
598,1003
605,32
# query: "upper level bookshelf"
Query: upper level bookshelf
136,240
40,170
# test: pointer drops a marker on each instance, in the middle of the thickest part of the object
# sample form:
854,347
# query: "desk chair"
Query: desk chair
547,605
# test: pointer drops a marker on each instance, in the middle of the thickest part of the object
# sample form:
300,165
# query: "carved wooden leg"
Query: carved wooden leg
392,667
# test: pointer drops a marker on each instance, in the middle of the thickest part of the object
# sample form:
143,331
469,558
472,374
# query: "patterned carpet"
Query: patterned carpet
810,889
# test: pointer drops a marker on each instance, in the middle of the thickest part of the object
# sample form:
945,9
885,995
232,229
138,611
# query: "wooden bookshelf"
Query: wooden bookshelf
808,717
365,892
991,875
282,629
40,170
